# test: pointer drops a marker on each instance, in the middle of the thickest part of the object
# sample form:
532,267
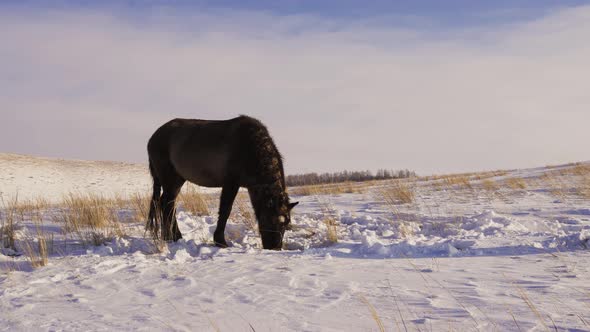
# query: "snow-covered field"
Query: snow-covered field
31,177
488,251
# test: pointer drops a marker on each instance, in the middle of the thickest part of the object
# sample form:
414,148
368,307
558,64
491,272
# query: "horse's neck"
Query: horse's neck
268,190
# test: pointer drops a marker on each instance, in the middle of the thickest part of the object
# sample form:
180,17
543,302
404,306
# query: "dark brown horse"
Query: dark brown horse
230,154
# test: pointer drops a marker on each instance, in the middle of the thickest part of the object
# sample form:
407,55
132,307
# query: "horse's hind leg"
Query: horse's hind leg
154,215
228,194
171,188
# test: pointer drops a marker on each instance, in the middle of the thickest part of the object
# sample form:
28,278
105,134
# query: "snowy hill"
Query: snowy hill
30,177
494,251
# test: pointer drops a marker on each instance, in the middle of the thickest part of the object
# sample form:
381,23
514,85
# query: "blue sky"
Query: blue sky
350,9
434,86
420,14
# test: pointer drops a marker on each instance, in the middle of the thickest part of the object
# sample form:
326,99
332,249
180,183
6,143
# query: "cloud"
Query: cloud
336,94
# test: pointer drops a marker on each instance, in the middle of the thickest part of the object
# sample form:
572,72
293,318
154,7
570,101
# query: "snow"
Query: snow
29,177
455,259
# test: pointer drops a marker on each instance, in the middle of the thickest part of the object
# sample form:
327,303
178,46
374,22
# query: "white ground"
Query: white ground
30,177
456,259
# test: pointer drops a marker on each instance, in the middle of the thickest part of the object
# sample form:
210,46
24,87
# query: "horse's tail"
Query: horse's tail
153,219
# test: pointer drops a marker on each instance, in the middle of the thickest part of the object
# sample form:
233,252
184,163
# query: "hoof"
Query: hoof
221,244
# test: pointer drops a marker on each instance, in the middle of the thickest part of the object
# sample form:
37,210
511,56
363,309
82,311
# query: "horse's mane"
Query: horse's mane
269,161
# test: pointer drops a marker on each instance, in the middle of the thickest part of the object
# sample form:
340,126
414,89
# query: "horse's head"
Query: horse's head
274,219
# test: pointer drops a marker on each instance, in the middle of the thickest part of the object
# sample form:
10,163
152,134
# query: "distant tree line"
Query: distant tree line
345,176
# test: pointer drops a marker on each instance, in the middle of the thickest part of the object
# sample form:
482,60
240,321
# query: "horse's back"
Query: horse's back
200,151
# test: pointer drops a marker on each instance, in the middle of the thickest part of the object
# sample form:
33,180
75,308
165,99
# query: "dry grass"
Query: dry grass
36,250
578,169
373,312
405,229
87,210
584,188
329,189
244,213
398,193
490,174
515,183
553,181
87,219
93,219
140,204
302,190
331,229
158,245
330,218
459,181
194,202
531,306
489,185
35,247
8,223
26,208
567,182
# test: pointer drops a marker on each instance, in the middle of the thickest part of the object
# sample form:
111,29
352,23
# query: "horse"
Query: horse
230,154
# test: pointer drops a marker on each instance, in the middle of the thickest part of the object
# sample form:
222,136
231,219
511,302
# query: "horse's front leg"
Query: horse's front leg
228,195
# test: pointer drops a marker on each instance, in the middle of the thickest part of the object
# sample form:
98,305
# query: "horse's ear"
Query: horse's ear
292,205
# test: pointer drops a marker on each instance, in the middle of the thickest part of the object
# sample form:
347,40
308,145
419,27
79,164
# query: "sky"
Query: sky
432,86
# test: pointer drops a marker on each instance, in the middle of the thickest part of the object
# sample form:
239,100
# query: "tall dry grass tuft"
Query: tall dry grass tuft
398,193
194,202
331,229
140,204
8,218
459,181
516,183
86,210
93,219
489,185
245,214
330,218
36,249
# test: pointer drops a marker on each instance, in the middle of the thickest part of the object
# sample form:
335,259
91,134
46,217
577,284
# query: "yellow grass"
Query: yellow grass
87,210
94,219
36,250
373,312
194,202
578,169
515,183
329,189
459,181
140,204
531,306
244,213
489,185
331,229
556,183
8,223
398,193
584,188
